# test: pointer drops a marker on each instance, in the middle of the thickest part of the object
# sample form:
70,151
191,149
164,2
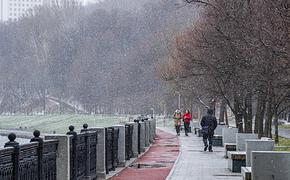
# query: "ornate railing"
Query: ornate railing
33,161
38,159
115,146
83,150
6,163
109,149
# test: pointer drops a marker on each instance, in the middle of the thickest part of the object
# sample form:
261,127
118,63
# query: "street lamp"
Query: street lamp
178,98
153,112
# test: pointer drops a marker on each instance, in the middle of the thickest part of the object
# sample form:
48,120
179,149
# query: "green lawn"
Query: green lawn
168,122
57,123
284,126
283,142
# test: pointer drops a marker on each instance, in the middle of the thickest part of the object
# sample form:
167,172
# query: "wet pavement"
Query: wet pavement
156,163
195,164
284,133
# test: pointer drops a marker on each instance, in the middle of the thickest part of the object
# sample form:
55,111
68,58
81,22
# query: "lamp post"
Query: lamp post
178,98
153,112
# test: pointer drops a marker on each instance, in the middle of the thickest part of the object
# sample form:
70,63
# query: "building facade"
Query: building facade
65,3
11,10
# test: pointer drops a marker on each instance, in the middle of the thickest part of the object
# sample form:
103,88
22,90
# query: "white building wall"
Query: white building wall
3,10
65,2
14,9
19,8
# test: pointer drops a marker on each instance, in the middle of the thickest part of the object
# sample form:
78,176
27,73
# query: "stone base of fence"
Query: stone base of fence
63,156
93,152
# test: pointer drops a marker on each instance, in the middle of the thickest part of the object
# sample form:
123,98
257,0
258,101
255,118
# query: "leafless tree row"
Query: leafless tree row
100,57
237,53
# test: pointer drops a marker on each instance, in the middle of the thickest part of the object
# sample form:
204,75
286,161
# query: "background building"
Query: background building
65,2
11,10
3,10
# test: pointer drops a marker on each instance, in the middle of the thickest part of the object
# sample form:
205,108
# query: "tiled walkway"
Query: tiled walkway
195,164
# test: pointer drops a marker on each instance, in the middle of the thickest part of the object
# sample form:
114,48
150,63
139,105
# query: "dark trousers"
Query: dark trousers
186,127
207,137
177,128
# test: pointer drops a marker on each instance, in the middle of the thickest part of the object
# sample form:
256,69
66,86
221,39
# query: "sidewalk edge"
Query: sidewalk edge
174,166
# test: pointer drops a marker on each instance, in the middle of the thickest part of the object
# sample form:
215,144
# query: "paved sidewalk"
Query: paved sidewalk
195,164
283,133
156,163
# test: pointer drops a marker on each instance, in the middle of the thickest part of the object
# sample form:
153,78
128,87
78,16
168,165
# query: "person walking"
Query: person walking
177,121
208,124
186,120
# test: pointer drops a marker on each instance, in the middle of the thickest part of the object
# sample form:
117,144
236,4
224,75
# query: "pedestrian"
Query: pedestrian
208,124
186,120
177,121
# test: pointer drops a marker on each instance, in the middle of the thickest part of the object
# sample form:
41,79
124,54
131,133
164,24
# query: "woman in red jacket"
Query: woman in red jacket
186,119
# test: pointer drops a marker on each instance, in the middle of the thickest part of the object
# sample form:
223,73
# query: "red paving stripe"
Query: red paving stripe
163,152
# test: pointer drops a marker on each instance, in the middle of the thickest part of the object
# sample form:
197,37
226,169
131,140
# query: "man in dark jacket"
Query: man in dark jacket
208,124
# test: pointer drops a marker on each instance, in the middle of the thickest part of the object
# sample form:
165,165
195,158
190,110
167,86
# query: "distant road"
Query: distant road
4,139
284,133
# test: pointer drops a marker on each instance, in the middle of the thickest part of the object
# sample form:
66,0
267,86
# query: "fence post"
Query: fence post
113,147
101,156
147,133
121,145
73,152
15,156
151,130
38,139
154,128
63,170
87,150
142,136
135,140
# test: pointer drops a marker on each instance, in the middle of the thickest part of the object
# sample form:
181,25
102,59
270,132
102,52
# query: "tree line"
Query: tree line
101,56
236,54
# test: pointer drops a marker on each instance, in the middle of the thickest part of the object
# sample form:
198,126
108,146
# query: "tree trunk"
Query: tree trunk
260,112
248,114
268,122
44,101
212,105
238,115
226,116
222,112
60,105
276,127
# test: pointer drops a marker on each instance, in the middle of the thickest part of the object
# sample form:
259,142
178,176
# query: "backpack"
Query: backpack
177,115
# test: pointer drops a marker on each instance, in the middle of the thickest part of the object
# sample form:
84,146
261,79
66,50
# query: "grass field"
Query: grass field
285,126
57,123
283,142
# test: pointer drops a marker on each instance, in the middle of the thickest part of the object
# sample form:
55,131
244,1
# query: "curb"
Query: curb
174,165
173,168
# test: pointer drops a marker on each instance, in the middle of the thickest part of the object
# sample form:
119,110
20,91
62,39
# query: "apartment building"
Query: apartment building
11,10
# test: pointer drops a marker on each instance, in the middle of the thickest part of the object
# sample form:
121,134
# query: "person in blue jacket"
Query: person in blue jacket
208,124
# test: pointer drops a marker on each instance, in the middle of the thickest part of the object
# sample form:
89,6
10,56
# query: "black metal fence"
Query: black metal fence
111,138
115,146
83,154
33,161
140,119
37,160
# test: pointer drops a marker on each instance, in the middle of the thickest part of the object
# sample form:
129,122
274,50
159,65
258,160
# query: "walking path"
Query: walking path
284,133
195,164
156,163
